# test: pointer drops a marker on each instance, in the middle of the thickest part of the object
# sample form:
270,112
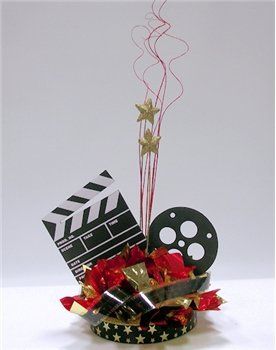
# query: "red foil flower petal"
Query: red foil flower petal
182,315
136,255
174,265
94,277
153,270
67,302
209,301
113,277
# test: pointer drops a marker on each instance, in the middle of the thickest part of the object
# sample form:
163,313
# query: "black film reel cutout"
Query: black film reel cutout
187,231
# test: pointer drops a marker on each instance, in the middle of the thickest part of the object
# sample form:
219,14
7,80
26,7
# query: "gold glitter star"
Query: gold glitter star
127,329
127,340
147,111
164,336
140,339
116,337
184,330
149,143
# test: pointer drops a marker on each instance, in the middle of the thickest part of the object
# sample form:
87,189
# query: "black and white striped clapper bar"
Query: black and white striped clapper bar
99,231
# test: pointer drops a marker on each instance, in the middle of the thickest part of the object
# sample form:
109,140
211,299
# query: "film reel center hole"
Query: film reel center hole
167,235
188,229
196,251
209,235
172,215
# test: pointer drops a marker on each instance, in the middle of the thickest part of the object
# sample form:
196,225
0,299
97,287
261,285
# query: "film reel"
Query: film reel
187,231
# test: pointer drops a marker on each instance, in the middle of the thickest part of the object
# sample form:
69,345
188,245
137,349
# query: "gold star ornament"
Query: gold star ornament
147,111
149,143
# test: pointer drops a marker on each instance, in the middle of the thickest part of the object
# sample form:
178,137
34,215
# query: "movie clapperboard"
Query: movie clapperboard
97,232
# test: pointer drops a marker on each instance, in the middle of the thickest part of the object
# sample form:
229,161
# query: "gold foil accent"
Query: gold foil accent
88,291
78,309
153,283
195,297
223,301
132,322
180,301
85,267
167,278
137,276
125,252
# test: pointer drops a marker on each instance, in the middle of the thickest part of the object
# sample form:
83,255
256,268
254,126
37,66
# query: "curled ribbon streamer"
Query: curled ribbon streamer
157,28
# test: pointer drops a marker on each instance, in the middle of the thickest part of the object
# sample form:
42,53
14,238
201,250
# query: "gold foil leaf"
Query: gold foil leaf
180,301
88,291
137,276
85,267
125,252
192,275
78,309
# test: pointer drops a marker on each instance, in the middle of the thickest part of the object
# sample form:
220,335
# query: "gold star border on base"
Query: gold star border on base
134,334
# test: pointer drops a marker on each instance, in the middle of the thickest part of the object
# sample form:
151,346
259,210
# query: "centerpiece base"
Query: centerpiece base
131,333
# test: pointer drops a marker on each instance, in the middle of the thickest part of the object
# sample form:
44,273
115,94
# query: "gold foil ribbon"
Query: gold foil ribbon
180,301
137,276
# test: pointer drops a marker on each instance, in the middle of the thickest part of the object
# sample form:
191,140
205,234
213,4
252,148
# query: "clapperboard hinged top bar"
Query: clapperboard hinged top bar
96,232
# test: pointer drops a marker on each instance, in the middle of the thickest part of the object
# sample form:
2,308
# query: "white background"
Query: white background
68,113
68,103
